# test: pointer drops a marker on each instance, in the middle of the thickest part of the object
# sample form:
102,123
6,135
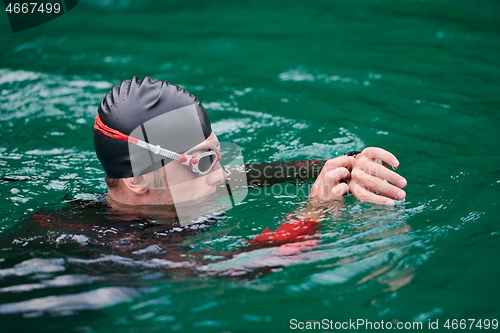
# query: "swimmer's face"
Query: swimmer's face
174,183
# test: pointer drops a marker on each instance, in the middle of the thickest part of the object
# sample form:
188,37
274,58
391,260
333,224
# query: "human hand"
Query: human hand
371,181
328,186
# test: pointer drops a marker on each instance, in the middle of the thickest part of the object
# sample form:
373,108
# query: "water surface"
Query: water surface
284,80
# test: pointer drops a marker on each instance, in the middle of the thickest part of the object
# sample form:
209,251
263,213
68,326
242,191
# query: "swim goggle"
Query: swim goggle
199,163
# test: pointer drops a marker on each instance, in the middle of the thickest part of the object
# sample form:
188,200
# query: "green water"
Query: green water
284,80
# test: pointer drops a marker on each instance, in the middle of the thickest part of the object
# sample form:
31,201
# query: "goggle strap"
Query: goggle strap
183,159
158,150
108,131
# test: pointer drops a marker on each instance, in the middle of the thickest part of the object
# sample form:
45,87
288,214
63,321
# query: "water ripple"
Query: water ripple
68,304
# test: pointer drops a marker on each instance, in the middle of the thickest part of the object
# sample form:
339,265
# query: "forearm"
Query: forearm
267,174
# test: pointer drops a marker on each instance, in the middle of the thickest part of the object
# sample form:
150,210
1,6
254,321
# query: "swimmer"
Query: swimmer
156,145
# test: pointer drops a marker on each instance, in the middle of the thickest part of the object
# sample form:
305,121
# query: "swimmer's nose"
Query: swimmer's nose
217,175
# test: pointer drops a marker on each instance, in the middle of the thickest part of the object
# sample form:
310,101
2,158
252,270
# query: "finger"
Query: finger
380,171
335,175
361,193
379,153
326,181
380,186
340,190
338,162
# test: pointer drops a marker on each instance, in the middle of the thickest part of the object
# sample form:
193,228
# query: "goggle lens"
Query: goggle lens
207,162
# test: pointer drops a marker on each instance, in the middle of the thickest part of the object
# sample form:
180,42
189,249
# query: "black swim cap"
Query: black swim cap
143,109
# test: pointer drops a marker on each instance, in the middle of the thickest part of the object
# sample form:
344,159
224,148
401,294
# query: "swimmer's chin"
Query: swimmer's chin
161,208
123,210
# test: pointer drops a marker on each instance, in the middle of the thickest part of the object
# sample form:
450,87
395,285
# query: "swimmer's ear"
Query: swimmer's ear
137,185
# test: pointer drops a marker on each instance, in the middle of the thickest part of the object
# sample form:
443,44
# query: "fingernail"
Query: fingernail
395,163
401,195
390,202
402,182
